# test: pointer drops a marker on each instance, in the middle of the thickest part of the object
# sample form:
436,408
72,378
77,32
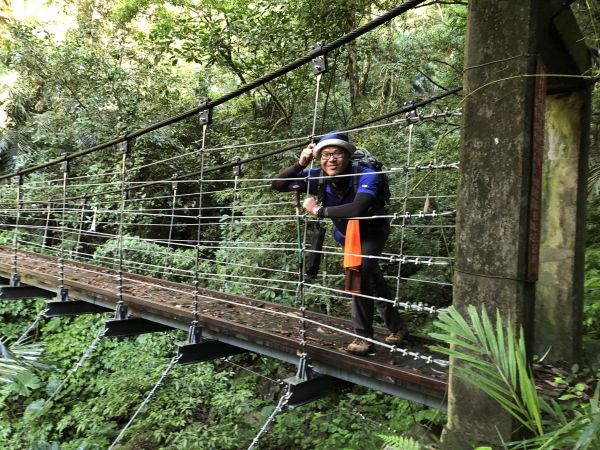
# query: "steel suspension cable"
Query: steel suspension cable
283,401
173,203
146,400
354,34
411,107
404,208
31,327
205,119
79,364
124,148
62,290
302,372
47,225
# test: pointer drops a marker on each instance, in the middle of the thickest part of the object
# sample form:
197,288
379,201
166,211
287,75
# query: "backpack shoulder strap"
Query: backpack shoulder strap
356,173
321,197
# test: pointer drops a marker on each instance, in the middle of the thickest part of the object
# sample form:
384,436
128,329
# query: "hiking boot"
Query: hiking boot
360,347
397,337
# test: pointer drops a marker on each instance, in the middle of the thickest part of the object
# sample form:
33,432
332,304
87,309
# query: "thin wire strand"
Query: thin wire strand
146,400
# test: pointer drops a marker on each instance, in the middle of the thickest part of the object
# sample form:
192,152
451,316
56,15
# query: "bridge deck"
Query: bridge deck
257,326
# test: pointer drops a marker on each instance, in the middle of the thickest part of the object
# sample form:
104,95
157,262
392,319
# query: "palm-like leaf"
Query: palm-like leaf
495,362
593,177
19,358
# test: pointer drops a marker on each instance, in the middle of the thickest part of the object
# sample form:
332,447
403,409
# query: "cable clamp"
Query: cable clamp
237,168
304,371
125,146
65,166
205,116
319,62
412,116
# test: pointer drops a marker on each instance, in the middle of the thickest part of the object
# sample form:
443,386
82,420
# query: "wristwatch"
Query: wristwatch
318,210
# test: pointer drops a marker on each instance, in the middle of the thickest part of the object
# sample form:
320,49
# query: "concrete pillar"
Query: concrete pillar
507,224
558,299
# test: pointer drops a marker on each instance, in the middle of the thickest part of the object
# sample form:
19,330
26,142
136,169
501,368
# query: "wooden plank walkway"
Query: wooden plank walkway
259,326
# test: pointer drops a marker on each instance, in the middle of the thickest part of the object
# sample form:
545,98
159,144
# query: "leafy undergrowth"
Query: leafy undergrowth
215,405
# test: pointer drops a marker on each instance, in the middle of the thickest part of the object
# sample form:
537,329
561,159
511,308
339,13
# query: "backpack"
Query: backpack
362,157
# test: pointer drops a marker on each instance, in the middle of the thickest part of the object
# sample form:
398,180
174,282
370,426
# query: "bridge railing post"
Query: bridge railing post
15,279
124,148
63,292
75,250
205,119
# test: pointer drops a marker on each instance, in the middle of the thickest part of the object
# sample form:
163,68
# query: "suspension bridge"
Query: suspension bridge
63,219
217,253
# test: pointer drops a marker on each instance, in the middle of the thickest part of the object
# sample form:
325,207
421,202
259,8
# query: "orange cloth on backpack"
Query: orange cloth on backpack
352,257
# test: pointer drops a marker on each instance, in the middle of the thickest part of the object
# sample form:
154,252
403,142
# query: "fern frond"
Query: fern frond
399,442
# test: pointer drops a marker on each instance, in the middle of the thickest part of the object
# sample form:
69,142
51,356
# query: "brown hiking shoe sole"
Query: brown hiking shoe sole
360,347
397,337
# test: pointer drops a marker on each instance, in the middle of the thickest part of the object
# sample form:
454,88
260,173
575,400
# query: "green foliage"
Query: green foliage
17,363
496,362
592,297
148,258
493,359
209,406
399,443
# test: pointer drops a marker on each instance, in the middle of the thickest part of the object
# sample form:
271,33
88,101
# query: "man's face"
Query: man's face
334,160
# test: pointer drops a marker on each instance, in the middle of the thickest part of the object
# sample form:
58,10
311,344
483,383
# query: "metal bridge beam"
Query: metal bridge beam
23,292
132,327
319,386
73,308
206,351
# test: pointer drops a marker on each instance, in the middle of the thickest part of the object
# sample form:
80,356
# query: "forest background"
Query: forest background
79,73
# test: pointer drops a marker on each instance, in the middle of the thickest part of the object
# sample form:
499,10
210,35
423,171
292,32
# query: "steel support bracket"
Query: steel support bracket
62,295
23,292
15,280
72,308
121,311
132,327
319,386
205,351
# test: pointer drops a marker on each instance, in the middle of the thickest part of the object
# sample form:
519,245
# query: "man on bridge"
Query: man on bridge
352,191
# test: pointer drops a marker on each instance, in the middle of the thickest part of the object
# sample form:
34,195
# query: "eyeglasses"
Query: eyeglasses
325,156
